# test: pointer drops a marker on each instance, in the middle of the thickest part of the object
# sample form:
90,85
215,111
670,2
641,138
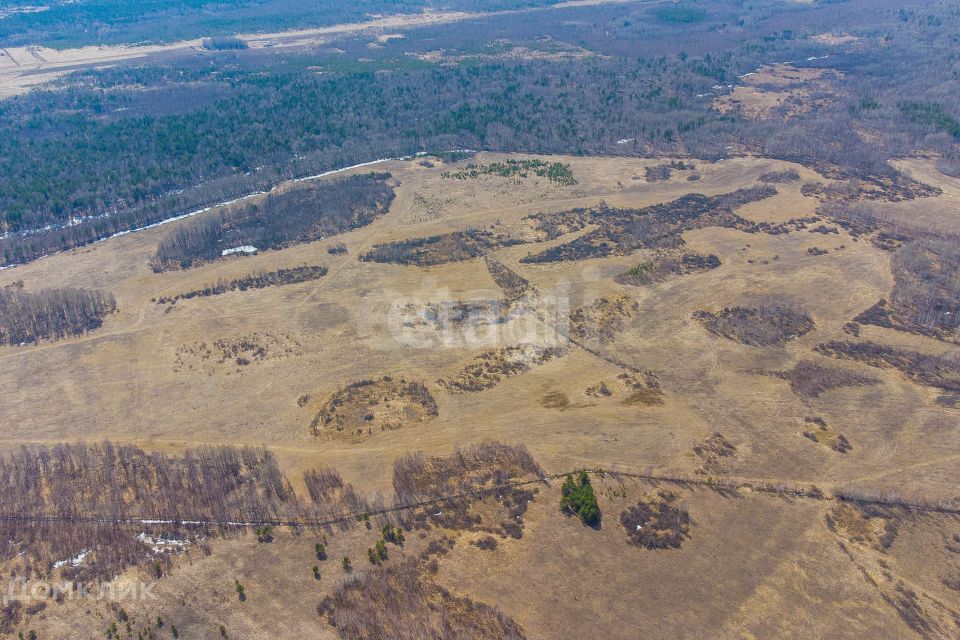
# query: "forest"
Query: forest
108,151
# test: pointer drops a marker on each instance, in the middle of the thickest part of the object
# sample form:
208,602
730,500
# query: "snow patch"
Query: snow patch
246,248
73,562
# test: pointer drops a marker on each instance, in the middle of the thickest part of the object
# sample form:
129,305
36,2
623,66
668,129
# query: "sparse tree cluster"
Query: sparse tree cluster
772,323
451,247
657,522
557,172
940,372
403,602
258,280
77,484
51,313
623,231
418,477
224,43
809,379
300,214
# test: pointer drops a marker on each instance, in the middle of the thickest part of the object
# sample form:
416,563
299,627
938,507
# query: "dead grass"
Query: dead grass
788,566
629,389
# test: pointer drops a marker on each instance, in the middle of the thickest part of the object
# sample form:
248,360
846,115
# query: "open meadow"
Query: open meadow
697,323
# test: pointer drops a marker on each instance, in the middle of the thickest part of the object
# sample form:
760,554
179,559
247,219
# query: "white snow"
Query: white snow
74,562
160,544
245,248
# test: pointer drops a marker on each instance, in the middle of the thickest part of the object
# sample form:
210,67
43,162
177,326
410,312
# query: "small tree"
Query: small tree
240,591
347,567
316,572
321,550
579,499
392,534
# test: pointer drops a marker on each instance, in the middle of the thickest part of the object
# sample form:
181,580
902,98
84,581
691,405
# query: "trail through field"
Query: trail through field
908,467
725,486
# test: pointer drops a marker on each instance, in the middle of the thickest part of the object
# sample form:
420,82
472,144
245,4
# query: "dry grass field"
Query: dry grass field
778,90
632,386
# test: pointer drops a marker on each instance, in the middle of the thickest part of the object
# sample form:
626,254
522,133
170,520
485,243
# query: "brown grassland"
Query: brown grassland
749,564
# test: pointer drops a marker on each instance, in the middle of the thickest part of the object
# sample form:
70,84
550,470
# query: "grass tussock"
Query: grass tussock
491,367
603,319
715,453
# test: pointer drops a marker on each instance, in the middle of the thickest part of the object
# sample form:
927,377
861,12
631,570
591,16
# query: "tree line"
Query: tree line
258,280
